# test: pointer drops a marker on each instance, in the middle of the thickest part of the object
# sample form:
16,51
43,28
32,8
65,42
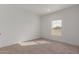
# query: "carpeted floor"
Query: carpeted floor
40,46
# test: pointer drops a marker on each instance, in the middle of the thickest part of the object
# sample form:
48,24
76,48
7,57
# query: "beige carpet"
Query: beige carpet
40,46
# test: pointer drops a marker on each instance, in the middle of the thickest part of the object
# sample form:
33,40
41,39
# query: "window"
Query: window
56,27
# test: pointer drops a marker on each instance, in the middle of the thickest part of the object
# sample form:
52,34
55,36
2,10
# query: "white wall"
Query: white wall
17,25
20,25
70,30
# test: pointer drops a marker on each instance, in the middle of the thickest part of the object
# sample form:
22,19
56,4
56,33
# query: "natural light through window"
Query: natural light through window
56,27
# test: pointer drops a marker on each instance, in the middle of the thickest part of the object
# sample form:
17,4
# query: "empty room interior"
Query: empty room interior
39,28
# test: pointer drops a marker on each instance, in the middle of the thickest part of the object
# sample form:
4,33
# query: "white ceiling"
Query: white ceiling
42,9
